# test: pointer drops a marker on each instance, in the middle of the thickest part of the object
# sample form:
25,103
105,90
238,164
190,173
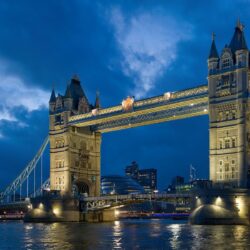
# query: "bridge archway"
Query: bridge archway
82,187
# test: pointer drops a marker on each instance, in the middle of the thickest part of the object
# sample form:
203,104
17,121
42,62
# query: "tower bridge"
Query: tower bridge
76,126
75,133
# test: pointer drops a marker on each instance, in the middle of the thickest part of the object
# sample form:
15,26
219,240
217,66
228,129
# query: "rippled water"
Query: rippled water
126,234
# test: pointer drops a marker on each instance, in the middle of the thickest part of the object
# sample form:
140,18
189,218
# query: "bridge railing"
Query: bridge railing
136,196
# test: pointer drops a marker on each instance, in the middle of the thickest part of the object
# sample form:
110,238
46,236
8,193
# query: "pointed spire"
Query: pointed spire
68,92
97,100
53,96
238,41
75,78
239,25
213,50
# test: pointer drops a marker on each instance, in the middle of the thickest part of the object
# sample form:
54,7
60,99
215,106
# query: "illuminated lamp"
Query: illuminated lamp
41,206
127,104
167,95
94,111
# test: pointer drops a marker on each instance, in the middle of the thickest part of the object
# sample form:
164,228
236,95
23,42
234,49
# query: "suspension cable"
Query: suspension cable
41,159
34,188
27,186
25,173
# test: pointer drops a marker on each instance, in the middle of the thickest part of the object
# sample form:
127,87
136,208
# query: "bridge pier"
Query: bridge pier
105,215
53,209
221,207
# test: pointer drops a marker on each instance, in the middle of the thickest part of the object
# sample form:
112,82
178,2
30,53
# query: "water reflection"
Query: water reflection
117,235
175,229
156,229
127,234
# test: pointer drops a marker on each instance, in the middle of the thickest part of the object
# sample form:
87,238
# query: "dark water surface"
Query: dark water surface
126,234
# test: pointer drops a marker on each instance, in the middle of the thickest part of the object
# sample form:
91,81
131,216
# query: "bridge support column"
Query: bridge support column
100,216
214,207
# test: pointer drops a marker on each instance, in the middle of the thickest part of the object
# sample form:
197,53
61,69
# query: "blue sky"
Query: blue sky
121,48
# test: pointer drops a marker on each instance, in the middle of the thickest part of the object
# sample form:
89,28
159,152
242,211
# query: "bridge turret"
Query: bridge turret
52,101
68,100
80,101
97,100
238,46
83,105
213,58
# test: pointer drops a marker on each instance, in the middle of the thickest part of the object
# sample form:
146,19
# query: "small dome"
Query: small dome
115,184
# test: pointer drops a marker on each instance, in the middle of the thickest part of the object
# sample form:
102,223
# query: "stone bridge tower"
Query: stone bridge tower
74,151
229,112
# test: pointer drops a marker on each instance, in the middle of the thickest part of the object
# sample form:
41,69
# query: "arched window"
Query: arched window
227,143
234,142
226,63
226,167
221,144
226,60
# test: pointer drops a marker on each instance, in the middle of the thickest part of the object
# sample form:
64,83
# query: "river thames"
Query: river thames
124,234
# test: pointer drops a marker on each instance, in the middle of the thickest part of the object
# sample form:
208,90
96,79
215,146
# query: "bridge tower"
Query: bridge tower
229,112
74,151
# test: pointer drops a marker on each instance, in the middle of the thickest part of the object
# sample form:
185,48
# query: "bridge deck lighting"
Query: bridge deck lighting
167,95
41,206
205,110
127,104
117,212
56,210
239,203
218,201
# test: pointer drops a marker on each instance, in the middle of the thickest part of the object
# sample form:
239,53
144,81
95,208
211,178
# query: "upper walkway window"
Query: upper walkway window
226,63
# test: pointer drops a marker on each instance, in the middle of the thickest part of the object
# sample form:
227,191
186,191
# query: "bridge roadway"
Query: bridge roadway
14,210
166,107
101,202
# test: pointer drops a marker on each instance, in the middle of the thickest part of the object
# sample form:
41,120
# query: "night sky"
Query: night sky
120,48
